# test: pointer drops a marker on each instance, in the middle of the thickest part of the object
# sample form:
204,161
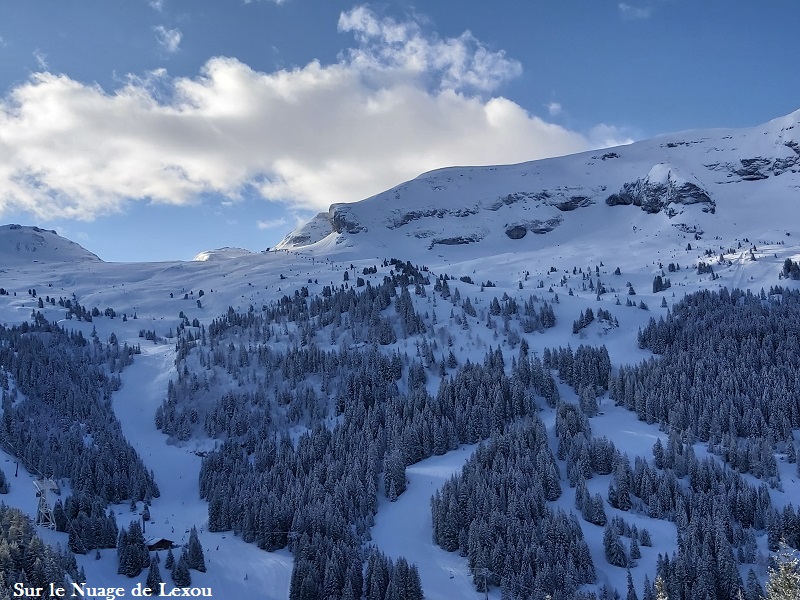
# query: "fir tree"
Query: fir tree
194,552
180,574
153,576
631,590
614,550
754,589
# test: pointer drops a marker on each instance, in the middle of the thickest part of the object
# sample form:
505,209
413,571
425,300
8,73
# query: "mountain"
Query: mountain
21,245
707,181
312,399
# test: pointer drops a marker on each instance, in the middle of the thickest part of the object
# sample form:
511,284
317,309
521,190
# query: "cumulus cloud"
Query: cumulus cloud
392,48
168,39
400,103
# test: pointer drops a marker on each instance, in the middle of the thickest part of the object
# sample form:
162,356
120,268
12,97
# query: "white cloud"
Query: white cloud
3,42
156,5
635,12
400,103
271,223
168,39
554,109
41,59
389,47
606,136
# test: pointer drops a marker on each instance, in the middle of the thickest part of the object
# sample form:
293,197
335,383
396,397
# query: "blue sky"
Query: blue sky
152,130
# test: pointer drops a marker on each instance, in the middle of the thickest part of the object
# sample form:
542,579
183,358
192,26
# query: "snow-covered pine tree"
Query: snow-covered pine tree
180,574
153,576
614,550
194,552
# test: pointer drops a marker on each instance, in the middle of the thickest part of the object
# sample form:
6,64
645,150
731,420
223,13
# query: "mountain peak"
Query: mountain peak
22,244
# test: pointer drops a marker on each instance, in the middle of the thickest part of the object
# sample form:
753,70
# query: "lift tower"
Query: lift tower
44,516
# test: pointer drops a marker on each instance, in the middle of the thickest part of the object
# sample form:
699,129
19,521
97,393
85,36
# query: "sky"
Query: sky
151,130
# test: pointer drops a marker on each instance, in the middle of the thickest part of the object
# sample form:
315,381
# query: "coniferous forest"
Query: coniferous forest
316,414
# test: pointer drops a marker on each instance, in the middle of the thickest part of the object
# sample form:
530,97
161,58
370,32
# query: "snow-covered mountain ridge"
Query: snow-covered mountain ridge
682,178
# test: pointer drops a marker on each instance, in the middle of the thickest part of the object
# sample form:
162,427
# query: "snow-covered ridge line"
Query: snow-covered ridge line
493,208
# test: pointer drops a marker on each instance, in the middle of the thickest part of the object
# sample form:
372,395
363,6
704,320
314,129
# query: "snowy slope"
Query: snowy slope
729,190
717,181
21,245
221,254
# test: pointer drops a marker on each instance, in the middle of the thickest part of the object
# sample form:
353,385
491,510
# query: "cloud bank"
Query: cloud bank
400,102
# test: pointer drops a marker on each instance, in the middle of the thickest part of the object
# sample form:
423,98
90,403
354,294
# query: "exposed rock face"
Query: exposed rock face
440,213
515,197
752,169
298,240
342,221
573,203
457,240
516,232
623,198
757,168
538,226
661,188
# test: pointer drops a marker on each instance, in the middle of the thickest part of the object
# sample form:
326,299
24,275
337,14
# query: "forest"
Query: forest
318,410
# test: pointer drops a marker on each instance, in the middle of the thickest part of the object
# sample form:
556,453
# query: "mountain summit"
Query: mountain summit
20,244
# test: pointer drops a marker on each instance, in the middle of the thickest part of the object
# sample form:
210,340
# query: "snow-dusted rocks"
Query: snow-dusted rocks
661,187
517,231
310,233
342,221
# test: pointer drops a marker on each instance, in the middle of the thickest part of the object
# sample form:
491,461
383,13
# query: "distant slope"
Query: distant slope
704,180
20,245
221,254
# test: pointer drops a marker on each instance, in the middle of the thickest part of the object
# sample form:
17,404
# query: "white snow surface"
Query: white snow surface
221,254
20,244
765,212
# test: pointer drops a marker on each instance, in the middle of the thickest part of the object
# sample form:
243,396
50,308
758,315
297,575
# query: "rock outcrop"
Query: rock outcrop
342,220
660,190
